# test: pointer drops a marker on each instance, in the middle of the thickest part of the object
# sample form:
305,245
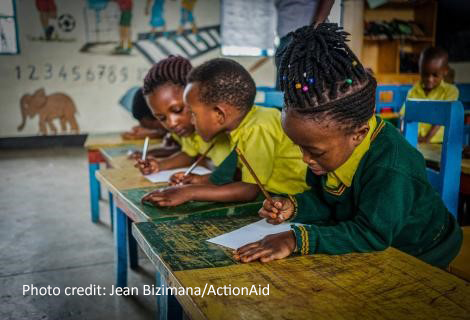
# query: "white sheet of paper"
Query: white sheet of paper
164,176
249,233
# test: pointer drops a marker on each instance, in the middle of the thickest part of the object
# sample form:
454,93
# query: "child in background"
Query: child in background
148,125
433,68
163,89
221,93
369,188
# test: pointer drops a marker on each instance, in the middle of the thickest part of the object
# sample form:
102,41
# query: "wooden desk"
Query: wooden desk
432,152
128,186
118,157
382,285
93,143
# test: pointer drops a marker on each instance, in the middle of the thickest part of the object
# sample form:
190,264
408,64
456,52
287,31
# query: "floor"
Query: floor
47,238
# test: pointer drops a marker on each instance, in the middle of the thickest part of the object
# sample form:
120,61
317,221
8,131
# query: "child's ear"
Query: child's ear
360,133
220,114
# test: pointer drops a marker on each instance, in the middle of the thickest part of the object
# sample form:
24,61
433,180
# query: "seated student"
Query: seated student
148,125
221,93
369,188
433,68
163,88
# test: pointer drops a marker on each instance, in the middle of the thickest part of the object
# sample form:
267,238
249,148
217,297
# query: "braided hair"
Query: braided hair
321,77
173,69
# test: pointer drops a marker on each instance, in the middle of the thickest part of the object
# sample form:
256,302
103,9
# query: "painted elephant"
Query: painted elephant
56,105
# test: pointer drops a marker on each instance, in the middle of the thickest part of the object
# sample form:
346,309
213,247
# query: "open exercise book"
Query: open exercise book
164,176
249,233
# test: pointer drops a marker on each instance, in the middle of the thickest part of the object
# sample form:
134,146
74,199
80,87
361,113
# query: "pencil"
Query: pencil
146,146
198,161
253,174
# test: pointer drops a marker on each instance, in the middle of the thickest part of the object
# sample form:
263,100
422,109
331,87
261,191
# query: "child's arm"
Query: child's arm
373,226
177,160
232,192
431,133
179,178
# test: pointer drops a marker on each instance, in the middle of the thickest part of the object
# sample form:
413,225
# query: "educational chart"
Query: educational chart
248,27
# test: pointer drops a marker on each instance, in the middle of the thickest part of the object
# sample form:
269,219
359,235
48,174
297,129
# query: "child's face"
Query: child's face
432,72
150,123
324,146
208,120
166,103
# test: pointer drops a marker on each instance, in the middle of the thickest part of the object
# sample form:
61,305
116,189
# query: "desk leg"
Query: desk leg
133,252
94,192
111,210
167,306
120,234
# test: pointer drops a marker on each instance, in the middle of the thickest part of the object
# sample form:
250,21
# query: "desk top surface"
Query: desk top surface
112,139
385,285
118,157
432,152
129,186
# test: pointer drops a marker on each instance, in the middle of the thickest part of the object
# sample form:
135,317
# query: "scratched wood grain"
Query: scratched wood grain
182,244
432,152
121,179
112,139
383,285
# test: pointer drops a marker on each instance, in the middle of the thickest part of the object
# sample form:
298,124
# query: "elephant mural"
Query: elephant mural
56,105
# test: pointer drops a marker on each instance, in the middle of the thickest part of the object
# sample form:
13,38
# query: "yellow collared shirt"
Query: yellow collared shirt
194,145
275,159
345,173
444,91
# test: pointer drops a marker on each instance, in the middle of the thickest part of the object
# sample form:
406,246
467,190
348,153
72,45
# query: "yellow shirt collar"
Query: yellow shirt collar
235,133
345,173
433,93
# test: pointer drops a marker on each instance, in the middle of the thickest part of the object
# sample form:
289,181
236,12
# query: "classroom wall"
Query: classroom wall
79,69
94,80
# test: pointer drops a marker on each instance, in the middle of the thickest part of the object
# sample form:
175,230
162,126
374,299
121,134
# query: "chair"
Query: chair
398,97
450,115
272,98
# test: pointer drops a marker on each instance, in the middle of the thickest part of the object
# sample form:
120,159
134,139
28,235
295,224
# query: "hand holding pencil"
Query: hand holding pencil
275,210
145,164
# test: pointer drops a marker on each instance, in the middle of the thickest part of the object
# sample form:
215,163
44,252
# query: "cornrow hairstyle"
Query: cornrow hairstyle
140,109
224,80
173,69
322,78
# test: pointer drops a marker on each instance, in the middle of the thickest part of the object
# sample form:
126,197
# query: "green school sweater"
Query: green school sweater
389,203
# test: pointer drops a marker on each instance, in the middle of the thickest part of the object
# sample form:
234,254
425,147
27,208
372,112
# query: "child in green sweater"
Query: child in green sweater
369,188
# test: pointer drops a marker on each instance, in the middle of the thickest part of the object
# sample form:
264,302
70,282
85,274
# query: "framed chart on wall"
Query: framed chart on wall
248,27
9,43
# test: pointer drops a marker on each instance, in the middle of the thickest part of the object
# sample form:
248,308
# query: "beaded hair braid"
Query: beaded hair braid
321,77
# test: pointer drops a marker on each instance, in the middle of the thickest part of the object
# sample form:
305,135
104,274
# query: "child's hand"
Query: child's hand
135,155
282,210
148,166
179,179
168,197
272,247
